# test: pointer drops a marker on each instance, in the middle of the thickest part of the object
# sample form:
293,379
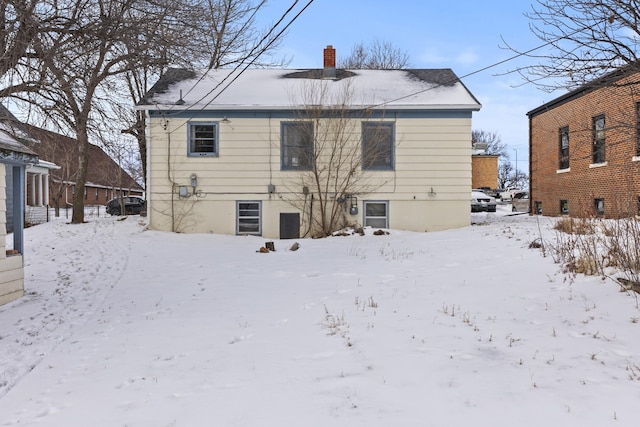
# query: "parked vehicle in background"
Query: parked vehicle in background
488,191
482,202
520,202
133,205
507,194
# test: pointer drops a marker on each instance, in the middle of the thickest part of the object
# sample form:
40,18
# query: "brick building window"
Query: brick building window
637,128
537,206
598,139
598,204
564,147
564,207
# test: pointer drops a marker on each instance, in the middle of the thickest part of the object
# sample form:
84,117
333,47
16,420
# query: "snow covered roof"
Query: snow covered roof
12,132
282,89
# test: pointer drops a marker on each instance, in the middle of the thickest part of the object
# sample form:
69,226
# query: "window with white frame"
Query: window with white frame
564,147
376,214
202,139
598,139
296,149
249,217
377,145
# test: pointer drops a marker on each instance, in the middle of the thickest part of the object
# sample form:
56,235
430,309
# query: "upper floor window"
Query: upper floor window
564,147
637,129
598,139
297,145
202,139
377,145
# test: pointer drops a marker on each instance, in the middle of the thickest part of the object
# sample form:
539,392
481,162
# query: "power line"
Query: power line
252,54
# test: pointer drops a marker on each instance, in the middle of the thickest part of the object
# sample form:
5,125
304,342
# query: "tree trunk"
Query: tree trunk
81,175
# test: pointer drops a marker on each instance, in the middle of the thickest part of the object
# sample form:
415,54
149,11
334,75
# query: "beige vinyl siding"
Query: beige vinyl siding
430,154
11,266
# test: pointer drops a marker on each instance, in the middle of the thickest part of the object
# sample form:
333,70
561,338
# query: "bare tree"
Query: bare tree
215,34
328,147
583,40
379,55
20,22
494,144
509,177
72,68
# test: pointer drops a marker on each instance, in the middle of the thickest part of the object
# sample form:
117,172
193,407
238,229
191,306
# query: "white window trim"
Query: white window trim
242,233
598,165
364,212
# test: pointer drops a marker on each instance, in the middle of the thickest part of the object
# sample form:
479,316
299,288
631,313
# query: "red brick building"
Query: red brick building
105,179
585,150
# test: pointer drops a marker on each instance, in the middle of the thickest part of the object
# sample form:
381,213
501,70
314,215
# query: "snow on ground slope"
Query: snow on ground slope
122,326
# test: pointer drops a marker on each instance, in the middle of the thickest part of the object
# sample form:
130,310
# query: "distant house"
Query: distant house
585,149
105,178
484,167
15,157
230,152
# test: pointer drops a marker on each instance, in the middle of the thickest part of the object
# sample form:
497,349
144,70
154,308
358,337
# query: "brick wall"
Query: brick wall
484,171
617,181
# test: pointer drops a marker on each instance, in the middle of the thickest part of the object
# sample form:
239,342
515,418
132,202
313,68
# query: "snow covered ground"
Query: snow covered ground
122,326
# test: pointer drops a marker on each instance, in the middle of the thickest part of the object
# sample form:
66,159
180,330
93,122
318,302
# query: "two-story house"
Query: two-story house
585,149
282,153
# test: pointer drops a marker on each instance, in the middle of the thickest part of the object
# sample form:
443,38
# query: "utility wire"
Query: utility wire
252,54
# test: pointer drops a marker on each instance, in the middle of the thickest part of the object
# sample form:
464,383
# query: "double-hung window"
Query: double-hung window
377,145
564,147
248,217
598,139
296,149
376,214
202,139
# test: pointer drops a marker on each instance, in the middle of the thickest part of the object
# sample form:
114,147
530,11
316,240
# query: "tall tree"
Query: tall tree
583,40
378,55
72,68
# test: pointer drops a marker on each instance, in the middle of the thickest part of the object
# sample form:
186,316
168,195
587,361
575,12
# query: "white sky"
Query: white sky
122,326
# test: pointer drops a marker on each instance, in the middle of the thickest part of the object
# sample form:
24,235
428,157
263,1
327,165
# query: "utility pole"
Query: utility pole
514,149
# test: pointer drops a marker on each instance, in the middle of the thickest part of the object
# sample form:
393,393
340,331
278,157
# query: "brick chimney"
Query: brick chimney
329,70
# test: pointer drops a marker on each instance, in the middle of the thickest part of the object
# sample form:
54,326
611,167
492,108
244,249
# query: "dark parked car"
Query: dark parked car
132,205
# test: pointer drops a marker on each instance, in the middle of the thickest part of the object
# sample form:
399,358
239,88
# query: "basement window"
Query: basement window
202,139
564,207
376,214
598,204
249,217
